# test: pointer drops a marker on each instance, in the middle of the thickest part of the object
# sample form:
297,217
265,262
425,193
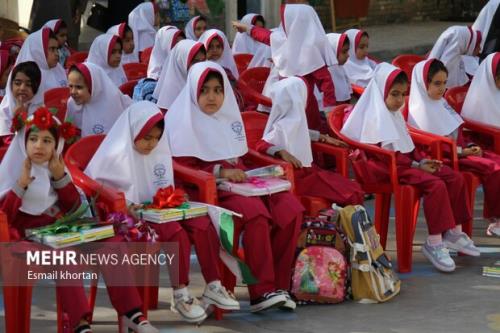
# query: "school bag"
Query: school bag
373,279
321,269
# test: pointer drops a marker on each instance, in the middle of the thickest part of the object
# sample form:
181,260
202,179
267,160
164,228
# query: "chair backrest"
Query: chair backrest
405,111
128,87
255,123
135,70
76,58
336,117
80,153
406,62
242,60
145,55
456,97
255,78
57,98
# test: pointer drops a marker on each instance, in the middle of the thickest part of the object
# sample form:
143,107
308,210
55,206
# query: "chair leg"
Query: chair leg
12,317
92,297
382,210
407,204
472,183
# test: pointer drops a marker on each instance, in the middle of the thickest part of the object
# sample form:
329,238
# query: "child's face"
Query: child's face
362,49
128,42
198,57
477,50
40,146
62,36
343,54
178,39
52,53
4,77
211,96
146,144
215,49
497,81
437,86
78,89
259,23
116,56
22,88
200,28
396,96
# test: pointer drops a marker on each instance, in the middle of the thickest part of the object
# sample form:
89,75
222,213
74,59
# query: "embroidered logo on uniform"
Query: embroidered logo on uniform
237,128
98,129
159,170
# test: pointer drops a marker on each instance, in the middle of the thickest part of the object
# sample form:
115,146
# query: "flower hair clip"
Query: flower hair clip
43,119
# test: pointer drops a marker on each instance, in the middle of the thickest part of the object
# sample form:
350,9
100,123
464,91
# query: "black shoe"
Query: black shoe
267,301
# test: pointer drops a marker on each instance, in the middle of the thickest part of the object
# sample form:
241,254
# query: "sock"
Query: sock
457,230
181,293
434,240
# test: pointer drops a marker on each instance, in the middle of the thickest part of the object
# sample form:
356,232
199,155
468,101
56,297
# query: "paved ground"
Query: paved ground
460,302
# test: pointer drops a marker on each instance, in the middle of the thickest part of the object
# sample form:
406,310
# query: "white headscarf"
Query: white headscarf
371,121
105,106
8,105
244,43
301,46
190,27
343,89
40,195
482,102
191,132
99,54
54,24
287,123
449,48
118,164
164,42
359,72
227,59
435,116
119,30
485,18
174,72
142,22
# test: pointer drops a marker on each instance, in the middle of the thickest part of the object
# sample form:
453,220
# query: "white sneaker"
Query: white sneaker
188,307
439,256
137,323
460,242
493,228
289,305
217,295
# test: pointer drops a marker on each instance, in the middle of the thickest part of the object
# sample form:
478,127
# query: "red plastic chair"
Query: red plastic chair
357,90
242,60
76,58
128,87
251,83
57,98
407,198
489,135
135,70
406,62
255,123
146,55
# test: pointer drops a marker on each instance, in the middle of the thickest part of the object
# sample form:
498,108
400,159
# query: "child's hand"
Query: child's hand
332,141
25,179
287,157
234,175
56,166
241,27
431,166
472,151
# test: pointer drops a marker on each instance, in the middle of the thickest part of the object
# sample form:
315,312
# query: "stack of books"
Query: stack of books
192,210
80,233
493,271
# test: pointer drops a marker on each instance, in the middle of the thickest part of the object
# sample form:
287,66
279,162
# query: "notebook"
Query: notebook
195,209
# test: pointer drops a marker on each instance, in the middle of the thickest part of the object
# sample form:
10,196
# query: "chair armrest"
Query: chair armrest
484,129
340,154
253,95
262,159
204,181
436,144
4,228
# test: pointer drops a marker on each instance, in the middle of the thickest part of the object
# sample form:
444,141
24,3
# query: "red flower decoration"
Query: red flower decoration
168,198
18,121
67,130
43,119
